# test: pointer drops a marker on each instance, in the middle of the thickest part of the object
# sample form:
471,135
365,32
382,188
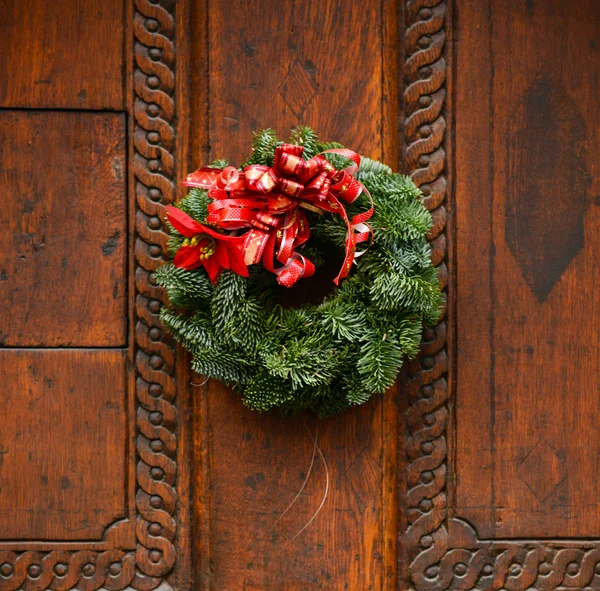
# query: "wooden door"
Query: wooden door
121,470
502,447
331,66
93,453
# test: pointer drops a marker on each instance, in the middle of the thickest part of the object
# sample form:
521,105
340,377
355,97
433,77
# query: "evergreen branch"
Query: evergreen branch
304,362
263,148
193,332
184,287
391,291
196,204
305,136
265,392
380,361
222,365
228,292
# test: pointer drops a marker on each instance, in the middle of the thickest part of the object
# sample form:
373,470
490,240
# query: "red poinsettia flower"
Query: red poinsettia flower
205,247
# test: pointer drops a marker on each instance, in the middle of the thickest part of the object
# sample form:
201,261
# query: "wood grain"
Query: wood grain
77,154
62,54
291,63
257,467
508,426
158,103
528,234
426,51
63,229
64,444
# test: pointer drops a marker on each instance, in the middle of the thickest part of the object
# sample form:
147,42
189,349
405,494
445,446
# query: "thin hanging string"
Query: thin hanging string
326,483
312,461
201,383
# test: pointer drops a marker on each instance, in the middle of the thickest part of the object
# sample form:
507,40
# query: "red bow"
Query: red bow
271,202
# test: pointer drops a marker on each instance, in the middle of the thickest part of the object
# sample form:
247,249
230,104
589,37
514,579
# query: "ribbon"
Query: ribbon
271,201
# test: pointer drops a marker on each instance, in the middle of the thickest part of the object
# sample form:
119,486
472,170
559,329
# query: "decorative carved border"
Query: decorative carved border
443,552
424,101
154,173
153,353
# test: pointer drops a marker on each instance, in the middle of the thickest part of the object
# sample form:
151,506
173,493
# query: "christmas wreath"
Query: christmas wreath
292,210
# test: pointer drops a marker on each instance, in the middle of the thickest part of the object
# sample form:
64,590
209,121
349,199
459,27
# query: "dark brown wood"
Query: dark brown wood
501,475
63,229
426,155
56,482
533,374
294,63
498,462
62,54
257,467
131,460
290,64
158,106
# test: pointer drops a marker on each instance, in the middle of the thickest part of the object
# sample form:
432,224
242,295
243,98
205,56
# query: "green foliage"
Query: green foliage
195,203
305,136
265,391
381,355
225,366
226,298
247,326
185,289
302,362
343,320
220,163
368,166
337,160
263,148
391,291
330,229
400,214
193,332
323,357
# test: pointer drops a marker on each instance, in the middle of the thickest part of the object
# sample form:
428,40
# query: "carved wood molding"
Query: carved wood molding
152,352
424,100
442,551
62,570
154,186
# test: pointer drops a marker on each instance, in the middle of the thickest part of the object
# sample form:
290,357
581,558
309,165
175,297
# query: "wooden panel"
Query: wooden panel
474,486
127,508
62,54
129,454
528,236
63,444
259,464
293,63
63,229
502,403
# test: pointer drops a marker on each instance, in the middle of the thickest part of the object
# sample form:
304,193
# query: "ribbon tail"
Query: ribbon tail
268,255
297,267
365,231
255,242
288,237
350,243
